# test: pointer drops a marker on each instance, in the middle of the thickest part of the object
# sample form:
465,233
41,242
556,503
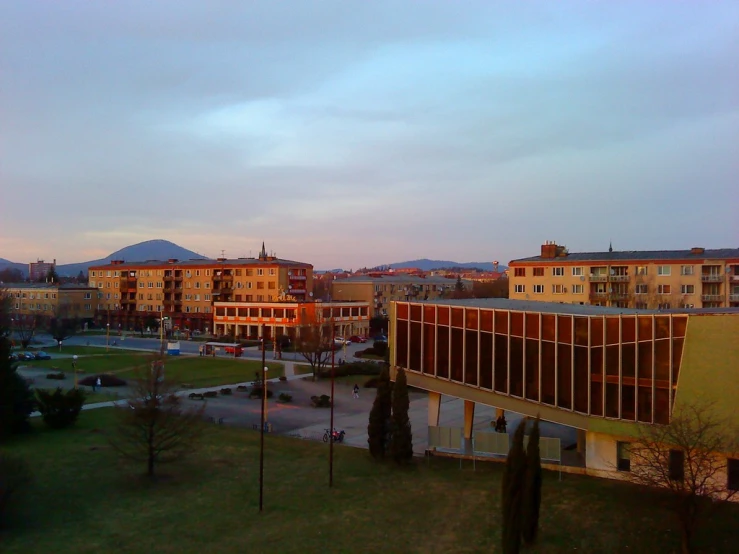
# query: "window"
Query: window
664,270
538,289
107,296
197,284
260,284
664,306
188,297
577,271
115,285
92,274
271,285
87,296
206,297
676,467
188,274
687,305
197,298
206,310
687,289
150,296
578,289
160,285
558,289
207,272
519,289
88,307
732,474
641,305
641,270
249,285
519,272
249,272
686,270
664,289
142,285
642,289
197,273
271,270
141,296
150,285
207,285
107,285
538,272
558,271
107,273
260,271
623,456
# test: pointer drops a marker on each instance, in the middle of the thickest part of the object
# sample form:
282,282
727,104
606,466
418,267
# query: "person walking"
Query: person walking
98,383
356,391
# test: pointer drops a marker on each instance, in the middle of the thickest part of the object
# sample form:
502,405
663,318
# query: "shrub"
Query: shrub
226,391
284,397
14,475
60,409
283,378
256,392
380,348
58,376
354,368
323,401
242,388
106,380
211,394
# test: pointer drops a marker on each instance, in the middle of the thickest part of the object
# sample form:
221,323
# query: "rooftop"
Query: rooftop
208,262
405,278
64,286
638,255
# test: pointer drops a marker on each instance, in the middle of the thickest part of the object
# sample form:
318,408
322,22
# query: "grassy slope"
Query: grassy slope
85,501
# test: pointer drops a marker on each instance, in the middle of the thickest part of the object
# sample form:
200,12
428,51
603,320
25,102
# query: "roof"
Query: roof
571,309
63,286
405,278
638,255
202,263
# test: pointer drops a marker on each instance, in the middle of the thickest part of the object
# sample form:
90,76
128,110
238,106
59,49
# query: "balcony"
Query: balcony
168,302
168,278
712,297
599,295
598,278
711,278
222,277
178,277
128,301
734,298
620,278
296,291
298,277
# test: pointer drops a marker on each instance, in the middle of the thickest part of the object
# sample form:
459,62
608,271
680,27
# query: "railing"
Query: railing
712,297
711,278
599,294
298,277
620,278
599,278
168,278
734,298
178,277
223,277
296,291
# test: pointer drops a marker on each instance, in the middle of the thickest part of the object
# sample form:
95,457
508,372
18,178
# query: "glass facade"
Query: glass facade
616,366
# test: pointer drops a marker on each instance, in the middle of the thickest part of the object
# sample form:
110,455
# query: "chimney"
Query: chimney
220,259
495,266
549,249
172,261
697,250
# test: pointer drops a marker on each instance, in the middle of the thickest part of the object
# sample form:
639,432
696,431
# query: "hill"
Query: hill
427,265
147,250
7,264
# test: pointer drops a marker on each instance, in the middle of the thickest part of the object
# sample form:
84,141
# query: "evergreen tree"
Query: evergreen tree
379,418
16,399
401,442
531,488
512,494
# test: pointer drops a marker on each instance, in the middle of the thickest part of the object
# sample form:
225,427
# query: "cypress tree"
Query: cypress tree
532,488
16,399
512,497
401,442
379,417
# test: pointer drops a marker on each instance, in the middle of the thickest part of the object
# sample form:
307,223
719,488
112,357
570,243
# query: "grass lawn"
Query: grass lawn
85,501
101,363
302,369
206,372
93,397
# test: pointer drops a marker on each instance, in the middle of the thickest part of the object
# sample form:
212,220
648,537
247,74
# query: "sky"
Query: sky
348,133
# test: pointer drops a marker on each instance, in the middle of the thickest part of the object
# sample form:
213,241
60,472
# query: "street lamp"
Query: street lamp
107,337
161,332
261,427
331,427
74,368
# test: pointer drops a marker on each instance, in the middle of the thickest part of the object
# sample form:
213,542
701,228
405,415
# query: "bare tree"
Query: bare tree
153,426
61,325
315,345
656,296
687,457
24,327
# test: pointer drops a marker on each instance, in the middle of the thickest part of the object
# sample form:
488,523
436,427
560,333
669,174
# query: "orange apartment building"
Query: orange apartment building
663,279
49,300
185,291
250,320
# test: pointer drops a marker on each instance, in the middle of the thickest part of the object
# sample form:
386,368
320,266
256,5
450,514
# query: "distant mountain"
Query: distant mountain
427,265
7,264
147,250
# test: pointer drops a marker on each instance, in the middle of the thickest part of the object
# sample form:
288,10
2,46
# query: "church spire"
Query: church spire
610,246
263,254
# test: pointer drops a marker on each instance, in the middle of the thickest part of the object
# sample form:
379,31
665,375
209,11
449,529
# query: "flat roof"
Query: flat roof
208,262
568,309
403,278
637,255
64,286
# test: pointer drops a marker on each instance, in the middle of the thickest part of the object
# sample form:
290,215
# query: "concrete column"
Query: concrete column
581,442
434,408
469,418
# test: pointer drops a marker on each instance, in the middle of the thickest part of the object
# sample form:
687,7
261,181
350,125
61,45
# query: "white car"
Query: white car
341,341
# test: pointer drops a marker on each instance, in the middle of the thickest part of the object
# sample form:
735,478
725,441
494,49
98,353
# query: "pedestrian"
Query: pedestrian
356,391
98,383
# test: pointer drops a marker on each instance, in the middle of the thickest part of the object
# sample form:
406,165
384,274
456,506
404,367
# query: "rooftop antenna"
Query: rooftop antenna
223,253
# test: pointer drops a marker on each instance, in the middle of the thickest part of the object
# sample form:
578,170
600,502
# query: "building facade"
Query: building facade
249,320
186,291
50,300
40,269
379,290
603,371
696,278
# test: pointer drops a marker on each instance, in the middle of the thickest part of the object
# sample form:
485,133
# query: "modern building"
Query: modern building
40,269
250,320
49,300
663,279
600,370
134,293
379,290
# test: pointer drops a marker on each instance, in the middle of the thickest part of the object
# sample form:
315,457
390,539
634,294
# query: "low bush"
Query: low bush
14,477
59,408
106,380
242,388
256,392
379,348
284,397
211,394
57,376
283,378
226,391
323,401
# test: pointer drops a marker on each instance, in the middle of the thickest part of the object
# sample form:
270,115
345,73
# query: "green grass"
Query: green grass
85,501
94,397
207,372
100,363
302,369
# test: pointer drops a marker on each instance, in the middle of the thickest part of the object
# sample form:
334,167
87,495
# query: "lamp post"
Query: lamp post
161,333
74,368
331,427
261,427
107,337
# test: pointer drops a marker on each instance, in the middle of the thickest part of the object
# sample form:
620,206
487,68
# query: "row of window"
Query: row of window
662,270
188,285
188,272
32,295
42,307
580,289
676,465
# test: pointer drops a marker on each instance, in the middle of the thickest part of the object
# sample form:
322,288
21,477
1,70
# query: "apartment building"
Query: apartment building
379,290
185,291
49,300
662,279
40,269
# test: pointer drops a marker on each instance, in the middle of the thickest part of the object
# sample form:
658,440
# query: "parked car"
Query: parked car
196,333
380,338
238,349
341,341
42,356
357,338
13,357
26,356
